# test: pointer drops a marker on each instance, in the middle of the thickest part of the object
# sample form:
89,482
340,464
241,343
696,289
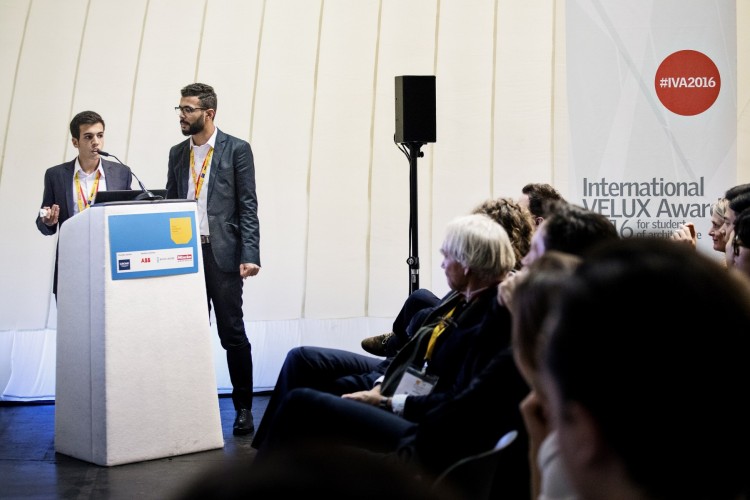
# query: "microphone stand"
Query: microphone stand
145,193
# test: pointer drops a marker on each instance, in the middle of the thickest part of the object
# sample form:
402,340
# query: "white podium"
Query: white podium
135,378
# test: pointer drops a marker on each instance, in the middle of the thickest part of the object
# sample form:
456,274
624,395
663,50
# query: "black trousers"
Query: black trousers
333,371
224,293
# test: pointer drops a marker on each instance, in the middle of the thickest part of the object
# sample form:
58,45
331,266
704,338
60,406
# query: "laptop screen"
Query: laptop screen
128,195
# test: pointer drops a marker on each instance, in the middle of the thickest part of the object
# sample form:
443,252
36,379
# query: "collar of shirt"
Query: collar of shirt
209,143
83,174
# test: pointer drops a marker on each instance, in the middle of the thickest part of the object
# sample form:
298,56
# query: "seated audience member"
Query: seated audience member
535,195
721,225
535,290
570,229
716,231
651,405
533,198
517,222
456,338
729,212
718,215
739,202
740,254
473,344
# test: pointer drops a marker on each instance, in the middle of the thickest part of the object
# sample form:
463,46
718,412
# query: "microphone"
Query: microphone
145,193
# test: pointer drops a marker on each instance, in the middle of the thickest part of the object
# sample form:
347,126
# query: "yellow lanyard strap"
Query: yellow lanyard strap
439,329
83,201
198,180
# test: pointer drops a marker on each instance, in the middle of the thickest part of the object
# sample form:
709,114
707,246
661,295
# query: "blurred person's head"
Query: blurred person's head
736,190
739,202
657,404
740,244
535,290
515,219
571,229
533,197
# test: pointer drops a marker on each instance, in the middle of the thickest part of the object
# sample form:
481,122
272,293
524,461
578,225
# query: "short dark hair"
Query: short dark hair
734,191
84,118
650,384
205,94
742,227
573,229
740,202
538,192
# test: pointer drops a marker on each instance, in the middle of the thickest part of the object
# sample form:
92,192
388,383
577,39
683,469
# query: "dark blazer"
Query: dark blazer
472,422
58,189
232,203
464,349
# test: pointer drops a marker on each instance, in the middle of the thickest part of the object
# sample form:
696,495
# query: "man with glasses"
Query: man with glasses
217,170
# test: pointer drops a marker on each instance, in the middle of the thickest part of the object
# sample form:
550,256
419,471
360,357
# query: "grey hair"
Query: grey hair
480,244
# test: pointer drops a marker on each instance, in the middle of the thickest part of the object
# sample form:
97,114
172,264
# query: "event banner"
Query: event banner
652,111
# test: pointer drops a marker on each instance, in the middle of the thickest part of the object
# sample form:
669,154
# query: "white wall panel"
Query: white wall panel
106,72
523,88
168,61
36,139
337,259
281,142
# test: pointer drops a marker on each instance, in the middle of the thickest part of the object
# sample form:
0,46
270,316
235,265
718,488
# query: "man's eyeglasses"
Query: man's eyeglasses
736,244
185,110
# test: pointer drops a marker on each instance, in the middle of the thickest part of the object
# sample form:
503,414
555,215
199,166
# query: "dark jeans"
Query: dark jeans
224,293
333,371
411,316
307,416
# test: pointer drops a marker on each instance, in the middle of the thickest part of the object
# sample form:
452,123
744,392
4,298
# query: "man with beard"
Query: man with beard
217,171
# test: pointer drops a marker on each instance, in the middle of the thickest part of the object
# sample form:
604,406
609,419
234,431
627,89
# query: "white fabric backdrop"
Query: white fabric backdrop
311,85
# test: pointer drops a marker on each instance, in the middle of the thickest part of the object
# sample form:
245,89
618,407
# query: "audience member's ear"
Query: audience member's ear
587,455
586,448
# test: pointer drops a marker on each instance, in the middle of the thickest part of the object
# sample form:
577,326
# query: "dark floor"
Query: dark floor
30,468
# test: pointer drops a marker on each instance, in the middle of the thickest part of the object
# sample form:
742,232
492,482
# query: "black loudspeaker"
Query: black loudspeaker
415,109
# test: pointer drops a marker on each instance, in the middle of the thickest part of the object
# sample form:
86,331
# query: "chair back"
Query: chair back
473,476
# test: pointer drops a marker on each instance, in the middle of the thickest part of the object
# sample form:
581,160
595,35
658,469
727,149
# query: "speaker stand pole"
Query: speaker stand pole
413,260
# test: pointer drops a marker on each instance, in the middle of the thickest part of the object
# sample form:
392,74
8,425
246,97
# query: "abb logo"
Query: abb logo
146,260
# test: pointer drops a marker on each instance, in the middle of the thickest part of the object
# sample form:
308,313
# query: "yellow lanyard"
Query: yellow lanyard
199,180
84,202
439,328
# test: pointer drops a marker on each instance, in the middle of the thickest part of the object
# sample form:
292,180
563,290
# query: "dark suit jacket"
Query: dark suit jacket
58,189
232,203
472,422
479,333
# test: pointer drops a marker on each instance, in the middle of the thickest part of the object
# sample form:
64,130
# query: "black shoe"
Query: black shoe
243,423
377,345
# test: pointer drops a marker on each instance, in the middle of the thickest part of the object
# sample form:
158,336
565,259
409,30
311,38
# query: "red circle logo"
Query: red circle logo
687,82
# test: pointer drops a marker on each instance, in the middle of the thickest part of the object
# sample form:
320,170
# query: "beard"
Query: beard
196,127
